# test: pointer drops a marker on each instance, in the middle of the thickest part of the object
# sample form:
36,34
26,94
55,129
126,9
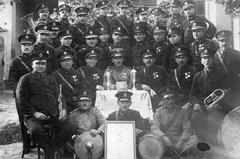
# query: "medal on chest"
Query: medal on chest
75,78
124,75
95,76
187,75
159,49
155,75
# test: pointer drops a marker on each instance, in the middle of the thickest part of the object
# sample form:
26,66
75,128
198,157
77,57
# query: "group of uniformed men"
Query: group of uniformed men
176,62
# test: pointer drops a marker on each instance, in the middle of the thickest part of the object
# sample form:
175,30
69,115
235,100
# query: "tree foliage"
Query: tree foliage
231,7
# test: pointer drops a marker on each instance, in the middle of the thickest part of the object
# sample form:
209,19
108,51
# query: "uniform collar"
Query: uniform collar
38,74
127,113
118,69
26,55
66,71
140,43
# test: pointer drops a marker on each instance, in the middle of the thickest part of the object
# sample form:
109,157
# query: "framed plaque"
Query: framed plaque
120,140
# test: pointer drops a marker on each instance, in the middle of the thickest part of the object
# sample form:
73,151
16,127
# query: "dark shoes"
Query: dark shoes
26,151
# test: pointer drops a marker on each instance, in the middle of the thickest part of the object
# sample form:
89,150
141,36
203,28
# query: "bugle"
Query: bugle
28,21
215,97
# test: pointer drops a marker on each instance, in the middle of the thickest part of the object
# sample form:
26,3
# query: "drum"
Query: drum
151,147
81,147
230,132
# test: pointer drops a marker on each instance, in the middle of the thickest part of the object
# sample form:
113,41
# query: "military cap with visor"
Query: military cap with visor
91,33
91,52
175,3
142,10
159,28
103,30
139,28
187,4
116,52
199,25
118,30
124,96
224,34
102,4
157,11
123,3
55,25
26,38
39,55
82,10
148,53
173,30
85,94
65,54
167,92
43,29
41,7
207,53
64,7
181,51
65,34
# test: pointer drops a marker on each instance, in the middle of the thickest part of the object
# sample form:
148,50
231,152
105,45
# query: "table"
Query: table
106,102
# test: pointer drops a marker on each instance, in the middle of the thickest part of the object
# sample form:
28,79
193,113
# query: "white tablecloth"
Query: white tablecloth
106,102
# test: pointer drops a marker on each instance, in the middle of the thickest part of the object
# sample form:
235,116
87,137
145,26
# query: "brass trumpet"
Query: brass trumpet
28,21
215,97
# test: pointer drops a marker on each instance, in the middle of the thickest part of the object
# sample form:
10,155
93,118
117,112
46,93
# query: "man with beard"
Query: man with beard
188,8
142,14
119,72
126,23
20,66
70,79
229,59
80,27
38,97
64,11
151,78
102,20
43,12
176,18
55,28
43,36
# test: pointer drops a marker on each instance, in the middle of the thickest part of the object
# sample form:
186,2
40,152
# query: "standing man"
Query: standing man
176,18
38,96
42,10
124,21
70,79
64,11
102,20
188,8
80,27
43,36
229,59
152,77
20,66
158,17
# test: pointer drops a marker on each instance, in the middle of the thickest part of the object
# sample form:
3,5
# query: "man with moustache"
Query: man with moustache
55,28
102,20
38,97
123,21
64,11
176,18
158,17
20,66
43,13
80,27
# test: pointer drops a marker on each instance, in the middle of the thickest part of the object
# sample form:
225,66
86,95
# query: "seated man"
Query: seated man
38,95
172,125
119,72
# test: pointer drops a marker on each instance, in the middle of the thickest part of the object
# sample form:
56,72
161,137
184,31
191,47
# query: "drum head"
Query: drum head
230,132
150,148
80,147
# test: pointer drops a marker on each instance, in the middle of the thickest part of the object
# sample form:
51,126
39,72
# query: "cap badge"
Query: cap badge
102,29
65,53
168,90
26,37
67,32
148,50
223,33
143,9
156,10
64,6
85,93
157,28
118,50
54,24
81,8
137,27
40,55
45,27
186,3
124,2
103,3
92,51
119,28
125,94
194,24
205,51
43,5
91,32
179,49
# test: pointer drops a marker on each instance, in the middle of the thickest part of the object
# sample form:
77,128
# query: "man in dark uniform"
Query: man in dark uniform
91,37
80,27
229,59
199,43
70,79
152,77
20,66
102,20
206,119
55,28
64,11
141,44
43,12
182,76
123,21
93,76
117,36
43,33
65,38
158,17
39,100
188,8
176,18
142,14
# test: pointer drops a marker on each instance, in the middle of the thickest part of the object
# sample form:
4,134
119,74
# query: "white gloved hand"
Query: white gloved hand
152,92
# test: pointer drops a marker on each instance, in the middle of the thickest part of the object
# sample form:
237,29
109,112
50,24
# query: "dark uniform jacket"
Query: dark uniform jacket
54,42
131,115
195,48
127,24
78,35
137,57
102,58
186,34
106,48
40,93
65,25
52,62
174,21
148,37
161,50
101,21
17,70
93,76
127,52
75,79
155,77
184,75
